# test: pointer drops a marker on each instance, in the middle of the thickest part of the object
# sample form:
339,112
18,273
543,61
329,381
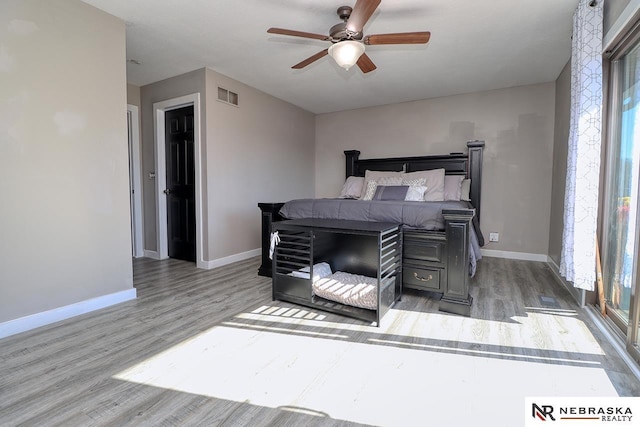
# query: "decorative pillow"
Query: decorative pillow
370,191
452,186
377,175
415,193
352,188
390,192
435,183
417,182
465,188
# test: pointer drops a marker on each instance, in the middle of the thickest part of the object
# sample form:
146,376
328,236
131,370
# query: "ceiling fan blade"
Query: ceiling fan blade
398,38
365,63
311,59
294,33
361,13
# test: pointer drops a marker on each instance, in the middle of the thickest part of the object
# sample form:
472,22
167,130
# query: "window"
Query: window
620,239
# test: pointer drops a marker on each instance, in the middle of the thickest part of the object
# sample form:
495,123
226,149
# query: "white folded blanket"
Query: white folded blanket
350,289
320,271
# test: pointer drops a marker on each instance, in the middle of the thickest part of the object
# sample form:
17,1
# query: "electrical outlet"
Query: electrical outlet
494,237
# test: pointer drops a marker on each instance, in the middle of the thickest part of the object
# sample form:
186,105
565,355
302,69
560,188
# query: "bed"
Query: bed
441,239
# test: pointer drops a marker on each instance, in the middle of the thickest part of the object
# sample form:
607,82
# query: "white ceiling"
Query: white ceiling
475,46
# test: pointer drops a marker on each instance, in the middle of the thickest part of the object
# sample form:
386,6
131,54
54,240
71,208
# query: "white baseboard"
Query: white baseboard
151,254
492,253
33,321
208,265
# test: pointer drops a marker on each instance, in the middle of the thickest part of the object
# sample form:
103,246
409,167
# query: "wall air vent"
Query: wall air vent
227,96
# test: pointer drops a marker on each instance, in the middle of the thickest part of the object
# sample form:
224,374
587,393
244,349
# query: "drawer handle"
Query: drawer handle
422,279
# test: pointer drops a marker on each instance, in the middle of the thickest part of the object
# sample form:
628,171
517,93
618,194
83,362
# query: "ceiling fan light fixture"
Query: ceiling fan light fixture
346,53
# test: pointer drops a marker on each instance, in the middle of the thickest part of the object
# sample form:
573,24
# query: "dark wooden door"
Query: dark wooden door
181,217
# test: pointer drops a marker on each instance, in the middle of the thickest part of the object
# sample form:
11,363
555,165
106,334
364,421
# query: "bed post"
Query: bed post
456,298
475,173
351,158
270,213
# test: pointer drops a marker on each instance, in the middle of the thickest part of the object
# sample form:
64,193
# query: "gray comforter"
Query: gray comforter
425,215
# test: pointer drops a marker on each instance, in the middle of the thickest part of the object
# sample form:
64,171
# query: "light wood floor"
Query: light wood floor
211,348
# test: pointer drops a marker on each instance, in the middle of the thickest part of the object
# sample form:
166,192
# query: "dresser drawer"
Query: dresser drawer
420,248
421,278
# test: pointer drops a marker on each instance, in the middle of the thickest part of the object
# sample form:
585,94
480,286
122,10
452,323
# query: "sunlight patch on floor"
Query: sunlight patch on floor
364,383
540,329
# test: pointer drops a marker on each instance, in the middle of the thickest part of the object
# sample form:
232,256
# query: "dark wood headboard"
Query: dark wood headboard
469,165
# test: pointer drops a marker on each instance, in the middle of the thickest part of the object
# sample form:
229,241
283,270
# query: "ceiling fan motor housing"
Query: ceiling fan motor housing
339,33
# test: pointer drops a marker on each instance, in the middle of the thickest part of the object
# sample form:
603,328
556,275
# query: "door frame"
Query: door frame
136,185
159,108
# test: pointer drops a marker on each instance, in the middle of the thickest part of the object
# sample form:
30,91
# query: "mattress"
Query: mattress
425,215
349,289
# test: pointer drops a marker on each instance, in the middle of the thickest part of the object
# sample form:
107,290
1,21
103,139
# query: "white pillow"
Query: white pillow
352,188
370,191
415,193
435,183
320,271
465,188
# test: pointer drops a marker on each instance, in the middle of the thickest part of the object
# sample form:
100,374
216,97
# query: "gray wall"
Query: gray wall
63,156
133,95
259,151
516,123
560,147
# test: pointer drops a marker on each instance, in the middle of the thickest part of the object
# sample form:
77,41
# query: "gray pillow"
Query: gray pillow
452,186
391,192
352,188
434,182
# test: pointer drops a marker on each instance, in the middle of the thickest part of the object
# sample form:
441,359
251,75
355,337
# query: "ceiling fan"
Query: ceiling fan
348,40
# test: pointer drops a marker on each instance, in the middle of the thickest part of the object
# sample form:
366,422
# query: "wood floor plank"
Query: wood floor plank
68,373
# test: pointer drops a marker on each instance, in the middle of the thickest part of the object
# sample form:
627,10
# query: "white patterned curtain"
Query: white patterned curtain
577,261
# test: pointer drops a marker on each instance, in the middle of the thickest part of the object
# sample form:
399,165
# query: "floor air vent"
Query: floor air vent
549,302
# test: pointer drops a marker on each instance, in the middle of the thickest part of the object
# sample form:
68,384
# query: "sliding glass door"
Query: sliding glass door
623,181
